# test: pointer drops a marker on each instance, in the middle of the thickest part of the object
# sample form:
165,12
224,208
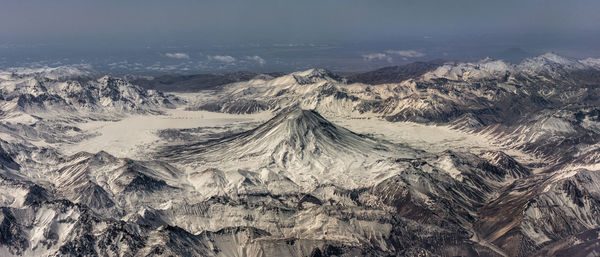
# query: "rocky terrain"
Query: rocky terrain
430,159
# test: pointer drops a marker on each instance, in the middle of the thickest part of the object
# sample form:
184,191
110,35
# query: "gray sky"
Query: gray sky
237,21
284,35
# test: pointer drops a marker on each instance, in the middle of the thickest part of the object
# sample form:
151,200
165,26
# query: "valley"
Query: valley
483,158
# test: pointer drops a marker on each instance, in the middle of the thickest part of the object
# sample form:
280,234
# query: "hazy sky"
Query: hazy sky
237,21
222,35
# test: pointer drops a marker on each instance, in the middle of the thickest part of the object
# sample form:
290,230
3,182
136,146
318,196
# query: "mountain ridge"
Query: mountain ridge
483,158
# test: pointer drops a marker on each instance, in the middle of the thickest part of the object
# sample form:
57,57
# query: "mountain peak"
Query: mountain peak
552,58
299,114
485,68
293,140
312,72
111,80
297,125
313,76
548,62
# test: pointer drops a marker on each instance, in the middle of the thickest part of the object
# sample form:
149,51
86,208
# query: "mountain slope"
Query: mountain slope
302,144
512,172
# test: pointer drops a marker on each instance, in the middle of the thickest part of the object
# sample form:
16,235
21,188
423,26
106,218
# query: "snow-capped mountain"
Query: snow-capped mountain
39,95
489,95
42,104
293,141
459,159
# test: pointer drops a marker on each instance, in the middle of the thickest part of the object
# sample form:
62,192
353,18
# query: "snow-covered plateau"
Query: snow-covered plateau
458,159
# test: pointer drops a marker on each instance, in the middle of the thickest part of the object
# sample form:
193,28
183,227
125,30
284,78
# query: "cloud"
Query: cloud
178,55
377,56
406,53
257,59
222,58
387,56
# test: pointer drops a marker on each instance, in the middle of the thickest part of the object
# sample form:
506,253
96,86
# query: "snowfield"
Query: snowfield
459,159
136,135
